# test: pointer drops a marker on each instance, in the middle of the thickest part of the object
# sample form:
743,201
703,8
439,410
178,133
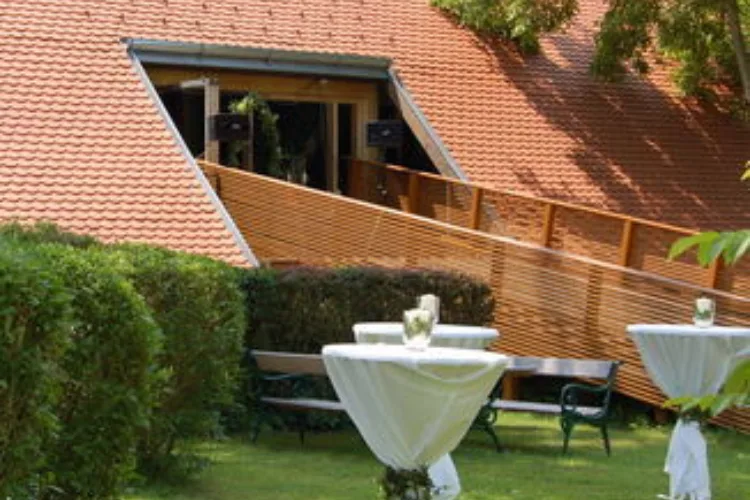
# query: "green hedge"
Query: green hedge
303,309
108,378
110,356
35,321
198,305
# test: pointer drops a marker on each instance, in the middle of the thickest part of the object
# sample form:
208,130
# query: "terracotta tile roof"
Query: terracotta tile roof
82,143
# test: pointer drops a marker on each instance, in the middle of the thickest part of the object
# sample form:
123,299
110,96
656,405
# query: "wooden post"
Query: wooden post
355,179
211,107
511,387
626,242
712,280
332,147
413,204
549,224
476,207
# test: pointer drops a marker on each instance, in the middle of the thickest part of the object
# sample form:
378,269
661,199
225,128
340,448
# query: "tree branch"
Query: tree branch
740,47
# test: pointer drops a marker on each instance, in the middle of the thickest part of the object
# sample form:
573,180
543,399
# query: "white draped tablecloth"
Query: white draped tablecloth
685,360
412,407
460,336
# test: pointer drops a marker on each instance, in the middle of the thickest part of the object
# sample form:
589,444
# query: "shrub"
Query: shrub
35,317
198,305
108,375
303,309
45,232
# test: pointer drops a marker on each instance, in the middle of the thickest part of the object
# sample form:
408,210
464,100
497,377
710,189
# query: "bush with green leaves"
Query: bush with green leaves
108,373
303,309
45,232
200,309
35,321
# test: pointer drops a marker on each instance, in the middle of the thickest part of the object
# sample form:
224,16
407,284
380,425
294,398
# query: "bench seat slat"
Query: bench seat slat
546,408
305,403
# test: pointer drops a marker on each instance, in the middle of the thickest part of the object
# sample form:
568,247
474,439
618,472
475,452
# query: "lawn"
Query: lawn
339,466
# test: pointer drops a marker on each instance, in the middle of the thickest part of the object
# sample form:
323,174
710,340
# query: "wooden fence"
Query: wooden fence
548,302
606,236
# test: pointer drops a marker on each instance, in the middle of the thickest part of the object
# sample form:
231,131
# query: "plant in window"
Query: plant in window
266,144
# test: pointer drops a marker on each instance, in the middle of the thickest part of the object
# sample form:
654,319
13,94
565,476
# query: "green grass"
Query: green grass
339,466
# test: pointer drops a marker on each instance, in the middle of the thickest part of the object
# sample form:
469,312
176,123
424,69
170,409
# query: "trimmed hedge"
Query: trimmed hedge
108,377
199,306
35,321
303,309
119,352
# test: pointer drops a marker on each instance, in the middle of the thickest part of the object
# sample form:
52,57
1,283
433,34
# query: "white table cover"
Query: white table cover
412,407
443,472
685,360
460,336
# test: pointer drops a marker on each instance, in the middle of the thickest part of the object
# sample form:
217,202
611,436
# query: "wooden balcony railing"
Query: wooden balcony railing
611,237
547,302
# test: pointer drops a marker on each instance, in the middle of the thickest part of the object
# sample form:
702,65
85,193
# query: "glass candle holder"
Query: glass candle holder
705,312
418,325
431,303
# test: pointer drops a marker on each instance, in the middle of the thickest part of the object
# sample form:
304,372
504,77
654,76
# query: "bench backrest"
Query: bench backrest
581,368
289,362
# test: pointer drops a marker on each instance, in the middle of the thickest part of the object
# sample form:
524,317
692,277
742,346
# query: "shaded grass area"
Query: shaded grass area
339,466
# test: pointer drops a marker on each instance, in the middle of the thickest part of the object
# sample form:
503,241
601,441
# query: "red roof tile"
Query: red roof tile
83,144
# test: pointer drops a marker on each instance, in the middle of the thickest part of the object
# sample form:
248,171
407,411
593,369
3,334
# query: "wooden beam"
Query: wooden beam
273,87
548,224
332,147
211,107
476,207
626,242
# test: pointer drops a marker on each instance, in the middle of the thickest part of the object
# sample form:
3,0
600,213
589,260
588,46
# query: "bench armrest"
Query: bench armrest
570,392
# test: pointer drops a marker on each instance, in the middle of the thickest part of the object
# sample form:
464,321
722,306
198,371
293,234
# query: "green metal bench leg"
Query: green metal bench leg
490,429
257,425
605,437
301,427
567,428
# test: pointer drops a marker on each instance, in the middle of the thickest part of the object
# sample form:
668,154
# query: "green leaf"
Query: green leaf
682,245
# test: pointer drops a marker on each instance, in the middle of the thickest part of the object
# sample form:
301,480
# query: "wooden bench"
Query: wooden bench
296,371
568,408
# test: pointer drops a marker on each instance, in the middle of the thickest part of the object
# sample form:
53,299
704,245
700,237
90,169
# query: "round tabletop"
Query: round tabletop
686,360
460,336
411,406
689,330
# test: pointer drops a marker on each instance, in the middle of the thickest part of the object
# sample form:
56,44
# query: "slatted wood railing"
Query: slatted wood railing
607,236
548,302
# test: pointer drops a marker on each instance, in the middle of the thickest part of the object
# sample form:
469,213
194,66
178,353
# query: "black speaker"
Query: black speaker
385,133
229,127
